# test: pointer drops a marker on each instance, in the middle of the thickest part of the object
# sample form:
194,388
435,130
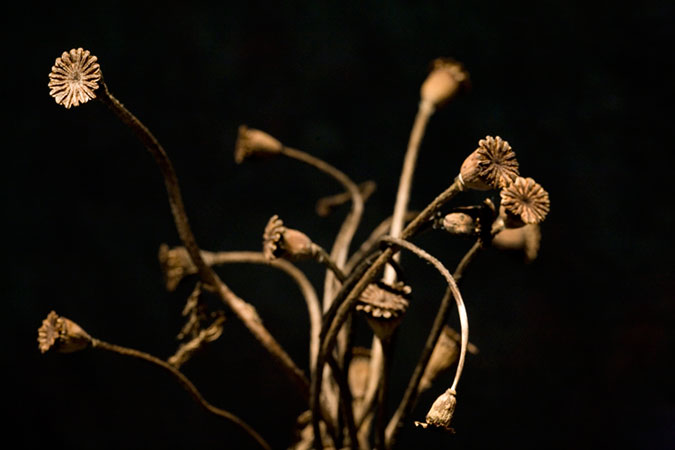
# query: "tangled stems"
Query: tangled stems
186,384
333,322
245,312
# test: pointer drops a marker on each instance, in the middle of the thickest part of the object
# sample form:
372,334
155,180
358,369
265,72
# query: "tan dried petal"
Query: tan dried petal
176,264
74,78
252,142
446,77
526,200
492,165
526,239
61,334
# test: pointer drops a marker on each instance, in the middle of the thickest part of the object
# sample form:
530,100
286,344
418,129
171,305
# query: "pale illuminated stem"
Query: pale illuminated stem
186,384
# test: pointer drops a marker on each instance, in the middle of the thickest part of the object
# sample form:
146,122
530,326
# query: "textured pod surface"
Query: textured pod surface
74,78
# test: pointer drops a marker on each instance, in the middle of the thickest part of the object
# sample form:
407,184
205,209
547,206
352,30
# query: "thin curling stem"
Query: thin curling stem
332,324
439,321
244,311
186,384
308,291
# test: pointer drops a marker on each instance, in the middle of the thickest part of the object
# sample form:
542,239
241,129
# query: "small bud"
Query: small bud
282,242
61,334
444,80
524,202
252,142
526,239
74,78
384,306
492,165
460,223
441,412
176,264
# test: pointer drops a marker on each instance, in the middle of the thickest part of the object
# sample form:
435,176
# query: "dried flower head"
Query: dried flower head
441,412
252,142
492,165
524,202
384,306
526,239
176,264
460,223
74,78
282,242
446,77
61,334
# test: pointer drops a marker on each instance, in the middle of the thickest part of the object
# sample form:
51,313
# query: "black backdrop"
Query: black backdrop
576,348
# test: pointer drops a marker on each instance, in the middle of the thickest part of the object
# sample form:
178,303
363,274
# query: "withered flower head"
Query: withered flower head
446,77
384,306
61,334
441,412
74,78
492,165
282,242
460,223
252,142
527,239
524,202
176,264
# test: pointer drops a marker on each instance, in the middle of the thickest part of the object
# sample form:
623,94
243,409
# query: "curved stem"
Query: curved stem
244,311
441,316
308,292
345,399
332,324
186,384
325,205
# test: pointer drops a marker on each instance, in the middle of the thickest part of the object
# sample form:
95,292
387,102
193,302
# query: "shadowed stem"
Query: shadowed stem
411,393
244,311
334,321
186,384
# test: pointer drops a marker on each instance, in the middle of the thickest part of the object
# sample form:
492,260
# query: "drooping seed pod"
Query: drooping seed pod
384,306
492,165
62,335
359,371
441,412
282,242
445,79
176,264
526,239
74,78
524,202
252,142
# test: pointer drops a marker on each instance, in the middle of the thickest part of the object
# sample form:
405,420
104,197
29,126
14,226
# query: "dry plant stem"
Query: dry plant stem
382,394
308,292
332,324
326,204
412,390
345,400
186,384
245,312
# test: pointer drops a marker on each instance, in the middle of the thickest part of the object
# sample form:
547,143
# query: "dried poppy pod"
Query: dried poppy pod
441,412
62,335
460,223
252,142
526,239
524,202
74,78
445,79
444,355
176,264
282,242
359,371
384,306
492,165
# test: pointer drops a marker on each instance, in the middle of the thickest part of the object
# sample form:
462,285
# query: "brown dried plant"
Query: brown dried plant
347,389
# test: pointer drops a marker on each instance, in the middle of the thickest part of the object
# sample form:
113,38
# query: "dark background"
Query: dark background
576,348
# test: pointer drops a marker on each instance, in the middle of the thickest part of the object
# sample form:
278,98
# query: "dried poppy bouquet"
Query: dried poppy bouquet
347,388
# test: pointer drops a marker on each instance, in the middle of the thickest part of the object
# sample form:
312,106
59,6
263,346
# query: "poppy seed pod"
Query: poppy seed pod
282,242
384,306
446,77
524,202
492,165
252,142
176,264
74,78
526,239
62,335
441,412
460,223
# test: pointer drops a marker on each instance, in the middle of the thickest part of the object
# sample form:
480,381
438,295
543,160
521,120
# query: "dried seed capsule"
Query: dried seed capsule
441,412
74,78
282,242
61,334
446,77
526,239
524,202
384,306
492,165
176,264
459,223
252,142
